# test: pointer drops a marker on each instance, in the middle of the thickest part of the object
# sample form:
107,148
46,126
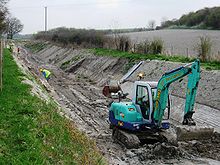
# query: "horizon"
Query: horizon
100,14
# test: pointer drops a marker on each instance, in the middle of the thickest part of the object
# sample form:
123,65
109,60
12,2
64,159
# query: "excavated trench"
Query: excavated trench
78,77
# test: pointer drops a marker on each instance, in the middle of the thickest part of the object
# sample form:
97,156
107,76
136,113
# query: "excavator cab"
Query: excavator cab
142,100
144,97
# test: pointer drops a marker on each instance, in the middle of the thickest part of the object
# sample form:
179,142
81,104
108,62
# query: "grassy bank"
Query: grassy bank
214,65
134,56
32,132
36,46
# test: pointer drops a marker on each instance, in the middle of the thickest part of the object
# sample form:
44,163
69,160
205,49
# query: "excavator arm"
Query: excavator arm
160,103
193,81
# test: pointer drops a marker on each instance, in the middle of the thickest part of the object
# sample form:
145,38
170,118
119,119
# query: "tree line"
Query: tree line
90,38
78,37
207,18
9,25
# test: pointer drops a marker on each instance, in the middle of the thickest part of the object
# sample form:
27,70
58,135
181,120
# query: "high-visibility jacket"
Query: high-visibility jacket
46,73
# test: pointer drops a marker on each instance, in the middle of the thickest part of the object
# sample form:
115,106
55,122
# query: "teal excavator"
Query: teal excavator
143,118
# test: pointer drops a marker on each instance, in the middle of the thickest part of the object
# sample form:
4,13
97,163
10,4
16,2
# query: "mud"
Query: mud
204,148
77,88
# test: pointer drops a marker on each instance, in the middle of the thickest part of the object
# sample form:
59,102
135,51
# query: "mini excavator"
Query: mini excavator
147,114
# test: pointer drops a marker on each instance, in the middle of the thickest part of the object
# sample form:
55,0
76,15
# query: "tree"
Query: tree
204,18
213,18
151,24
3,13
13,26
163,21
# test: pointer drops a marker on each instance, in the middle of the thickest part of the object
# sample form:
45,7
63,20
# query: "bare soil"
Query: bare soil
77,87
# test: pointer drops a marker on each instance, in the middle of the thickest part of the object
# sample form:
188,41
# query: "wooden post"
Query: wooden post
187,52
1,64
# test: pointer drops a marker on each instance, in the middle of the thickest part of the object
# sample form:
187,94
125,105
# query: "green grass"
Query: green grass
36,46
214,65
74,59
65,64
33,132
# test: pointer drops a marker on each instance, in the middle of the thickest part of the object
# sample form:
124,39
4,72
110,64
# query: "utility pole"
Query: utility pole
45,13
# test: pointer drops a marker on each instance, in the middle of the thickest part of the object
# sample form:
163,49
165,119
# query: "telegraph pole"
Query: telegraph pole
45,13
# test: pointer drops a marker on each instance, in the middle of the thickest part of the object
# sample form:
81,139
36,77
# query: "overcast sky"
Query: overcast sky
100,14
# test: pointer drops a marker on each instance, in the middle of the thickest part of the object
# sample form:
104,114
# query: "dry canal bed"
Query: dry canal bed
81,98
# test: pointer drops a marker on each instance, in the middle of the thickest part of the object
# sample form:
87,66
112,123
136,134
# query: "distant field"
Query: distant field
180,42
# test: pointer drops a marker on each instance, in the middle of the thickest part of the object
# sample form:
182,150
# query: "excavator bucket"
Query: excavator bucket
108,90
186,133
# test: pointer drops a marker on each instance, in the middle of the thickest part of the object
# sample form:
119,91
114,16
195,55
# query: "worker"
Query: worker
46,73
18,50
141,75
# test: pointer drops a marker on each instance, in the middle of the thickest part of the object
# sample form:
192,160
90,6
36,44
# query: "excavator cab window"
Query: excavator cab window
142,99
154,92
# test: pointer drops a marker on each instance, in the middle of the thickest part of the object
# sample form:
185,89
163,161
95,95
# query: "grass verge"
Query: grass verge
33,132
134,56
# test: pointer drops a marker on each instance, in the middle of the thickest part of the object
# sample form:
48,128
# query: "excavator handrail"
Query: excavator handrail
188,64
172,71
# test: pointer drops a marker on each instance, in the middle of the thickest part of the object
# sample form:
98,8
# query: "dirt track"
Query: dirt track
79,93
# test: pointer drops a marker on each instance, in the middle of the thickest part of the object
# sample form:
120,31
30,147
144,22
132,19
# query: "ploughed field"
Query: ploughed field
180,42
